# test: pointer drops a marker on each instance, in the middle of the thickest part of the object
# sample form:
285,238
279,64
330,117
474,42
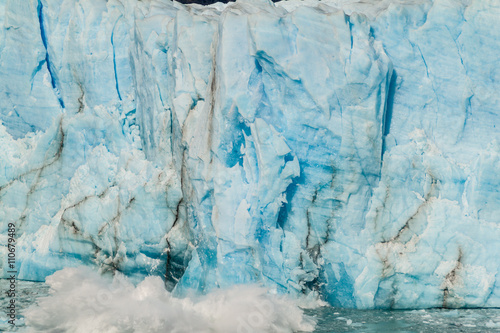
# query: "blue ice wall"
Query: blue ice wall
341,148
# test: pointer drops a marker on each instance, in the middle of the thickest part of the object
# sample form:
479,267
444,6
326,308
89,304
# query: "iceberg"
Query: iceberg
337,148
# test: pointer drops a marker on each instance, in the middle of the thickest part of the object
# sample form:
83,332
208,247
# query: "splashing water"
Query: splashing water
81,300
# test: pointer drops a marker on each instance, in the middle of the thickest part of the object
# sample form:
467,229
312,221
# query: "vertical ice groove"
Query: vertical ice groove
389,104
114,57
50,68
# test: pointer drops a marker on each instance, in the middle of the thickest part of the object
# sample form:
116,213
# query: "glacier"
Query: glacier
340,148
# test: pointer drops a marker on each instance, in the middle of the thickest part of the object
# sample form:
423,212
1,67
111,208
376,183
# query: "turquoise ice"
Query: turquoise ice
346,149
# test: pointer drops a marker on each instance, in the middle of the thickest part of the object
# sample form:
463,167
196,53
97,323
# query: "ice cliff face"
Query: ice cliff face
341,147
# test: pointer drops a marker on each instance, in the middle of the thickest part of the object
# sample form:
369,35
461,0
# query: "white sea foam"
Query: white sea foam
81,300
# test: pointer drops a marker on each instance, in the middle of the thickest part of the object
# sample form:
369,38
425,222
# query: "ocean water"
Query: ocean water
327,319
406,321
27,293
